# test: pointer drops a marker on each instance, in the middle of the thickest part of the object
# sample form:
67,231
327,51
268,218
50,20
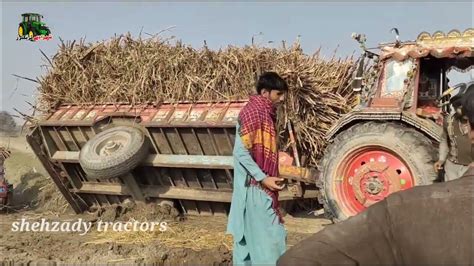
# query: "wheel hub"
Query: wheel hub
111,147
373,185
374,181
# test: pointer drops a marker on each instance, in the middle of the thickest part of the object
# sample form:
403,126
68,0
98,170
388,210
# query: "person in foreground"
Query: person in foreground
425,225
254,219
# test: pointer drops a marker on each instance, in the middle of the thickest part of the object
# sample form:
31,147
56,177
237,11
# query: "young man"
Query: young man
254,220
454,147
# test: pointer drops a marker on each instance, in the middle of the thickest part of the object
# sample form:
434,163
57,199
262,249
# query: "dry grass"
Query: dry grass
178,235
50,199
135,71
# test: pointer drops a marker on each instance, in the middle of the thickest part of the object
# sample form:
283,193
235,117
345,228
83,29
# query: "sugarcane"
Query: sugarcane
136,71
293,144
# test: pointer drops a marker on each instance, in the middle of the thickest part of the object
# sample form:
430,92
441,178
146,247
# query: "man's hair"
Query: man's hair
468,104
271,81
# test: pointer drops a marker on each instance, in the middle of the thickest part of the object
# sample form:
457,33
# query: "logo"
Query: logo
33,28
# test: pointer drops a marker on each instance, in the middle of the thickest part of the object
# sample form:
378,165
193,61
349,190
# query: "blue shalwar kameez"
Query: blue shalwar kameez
259,237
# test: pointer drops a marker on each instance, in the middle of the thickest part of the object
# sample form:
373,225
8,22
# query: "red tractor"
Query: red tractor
6,189
389,142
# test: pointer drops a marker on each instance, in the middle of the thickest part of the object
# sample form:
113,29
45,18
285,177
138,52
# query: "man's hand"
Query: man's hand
270,182
438,166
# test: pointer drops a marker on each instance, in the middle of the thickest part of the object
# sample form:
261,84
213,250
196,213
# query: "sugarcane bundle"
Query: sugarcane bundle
124,69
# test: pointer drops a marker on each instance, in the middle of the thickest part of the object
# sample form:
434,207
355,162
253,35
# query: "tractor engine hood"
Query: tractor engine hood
41,24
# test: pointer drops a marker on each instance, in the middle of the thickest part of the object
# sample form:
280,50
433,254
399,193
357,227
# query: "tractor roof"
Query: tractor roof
439,45
30,14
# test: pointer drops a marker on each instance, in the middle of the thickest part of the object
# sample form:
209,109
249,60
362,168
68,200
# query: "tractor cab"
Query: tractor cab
32,17
412,76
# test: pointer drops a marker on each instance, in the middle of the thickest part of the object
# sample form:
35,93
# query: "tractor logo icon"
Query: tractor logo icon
32,28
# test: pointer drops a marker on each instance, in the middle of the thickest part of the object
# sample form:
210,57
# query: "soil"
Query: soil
188,240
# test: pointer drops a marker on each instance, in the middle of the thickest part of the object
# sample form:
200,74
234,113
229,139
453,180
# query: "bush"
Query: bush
7,123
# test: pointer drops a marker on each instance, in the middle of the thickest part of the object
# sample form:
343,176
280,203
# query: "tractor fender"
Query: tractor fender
426,126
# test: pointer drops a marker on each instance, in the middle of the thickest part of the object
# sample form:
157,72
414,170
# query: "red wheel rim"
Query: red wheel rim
368,175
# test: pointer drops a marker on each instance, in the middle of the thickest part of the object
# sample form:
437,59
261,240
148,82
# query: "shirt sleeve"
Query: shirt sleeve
245,159
443,146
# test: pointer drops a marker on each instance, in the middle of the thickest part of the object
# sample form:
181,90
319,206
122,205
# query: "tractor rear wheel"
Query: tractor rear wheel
368,162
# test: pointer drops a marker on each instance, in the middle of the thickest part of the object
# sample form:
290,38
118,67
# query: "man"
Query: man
254,218
424,225
468,111
454,142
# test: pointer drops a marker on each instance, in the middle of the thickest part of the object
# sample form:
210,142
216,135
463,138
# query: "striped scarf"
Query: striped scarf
258,134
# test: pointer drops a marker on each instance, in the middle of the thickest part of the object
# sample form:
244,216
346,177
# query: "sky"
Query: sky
315,24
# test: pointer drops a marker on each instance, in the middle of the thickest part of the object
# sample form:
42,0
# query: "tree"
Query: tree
7,123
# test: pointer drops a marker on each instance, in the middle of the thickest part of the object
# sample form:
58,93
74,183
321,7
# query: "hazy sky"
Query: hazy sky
219,23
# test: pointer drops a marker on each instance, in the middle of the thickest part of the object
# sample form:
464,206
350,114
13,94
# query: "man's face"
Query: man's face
276,96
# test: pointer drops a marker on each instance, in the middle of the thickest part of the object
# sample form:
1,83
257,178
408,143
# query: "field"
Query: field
188,240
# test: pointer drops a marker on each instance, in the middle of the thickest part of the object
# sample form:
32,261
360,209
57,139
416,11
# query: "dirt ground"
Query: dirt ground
187,240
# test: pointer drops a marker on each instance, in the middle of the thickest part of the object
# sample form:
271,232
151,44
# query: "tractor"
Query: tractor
389,141
32,28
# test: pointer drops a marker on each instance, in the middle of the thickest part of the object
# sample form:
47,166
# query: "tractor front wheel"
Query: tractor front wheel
31,35
21,31
370,161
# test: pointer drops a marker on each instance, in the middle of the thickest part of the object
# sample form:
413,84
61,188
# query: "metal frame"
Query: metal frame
428,127
190,159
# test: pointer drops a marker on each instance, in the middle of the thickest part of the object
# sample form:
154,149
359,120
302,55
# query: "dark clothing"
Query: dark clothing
425,225
455,143
463,142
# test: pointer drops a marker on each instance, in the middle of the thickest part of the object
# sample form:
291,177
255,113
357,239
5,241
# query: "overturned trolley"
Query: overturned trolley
99,155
